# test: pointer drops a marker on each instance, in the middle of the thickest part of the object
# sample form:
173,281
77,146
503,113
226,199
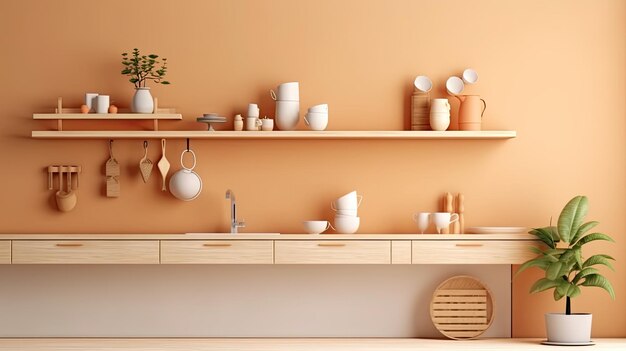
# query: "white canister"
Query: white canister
90,101
102,104
287,114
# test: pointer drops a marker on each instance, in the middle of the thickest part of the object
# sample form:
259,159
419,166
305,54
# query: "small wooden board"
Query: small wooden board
462,308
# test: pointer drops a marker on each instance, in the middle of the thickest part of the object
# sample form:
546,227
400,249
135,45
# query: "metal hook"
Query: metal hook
111,147
145,144
187,144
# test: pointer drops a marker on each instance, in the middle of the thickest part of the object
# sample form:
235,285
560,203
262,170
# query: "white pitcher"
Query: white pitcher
439,114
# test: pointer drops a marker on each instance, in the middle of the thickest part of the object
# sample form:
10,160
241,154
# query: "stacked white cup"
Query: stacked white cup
317,117
287,98
346,219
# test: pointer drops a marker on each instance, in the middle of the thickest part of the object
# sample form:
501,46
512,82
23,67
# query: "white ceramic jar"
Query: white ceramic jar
439,114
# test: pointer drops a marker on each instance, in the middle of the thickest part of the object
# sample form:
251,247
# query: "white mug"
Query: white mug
349,201
90,101
444,219
267,124
253,123
316,120
253,110
423,220
102,104
287,92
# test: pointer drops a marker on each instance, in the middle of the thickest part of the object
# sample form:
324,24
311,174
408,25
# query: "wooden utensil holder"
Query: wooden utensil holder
52,170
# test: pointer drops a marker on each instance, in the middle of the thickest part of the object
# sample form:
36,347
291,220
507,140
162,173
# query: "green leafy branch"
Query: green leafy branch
141,68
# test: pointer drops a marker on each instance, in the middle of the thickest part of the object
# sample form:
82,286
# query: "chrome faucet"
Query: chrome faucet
234,224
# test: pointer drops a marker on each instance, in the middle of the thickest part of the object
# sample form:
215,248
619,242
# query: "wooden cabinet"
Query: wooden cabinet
217,251
333,252
5,252
472,252
85,251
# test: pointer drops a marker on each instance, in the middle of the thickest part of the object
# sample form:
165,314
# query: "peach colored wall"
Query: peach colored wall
552,70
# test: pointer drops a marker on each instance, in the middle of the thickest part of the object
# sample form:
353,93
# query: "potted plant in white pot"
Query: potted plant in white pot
567,269
141,68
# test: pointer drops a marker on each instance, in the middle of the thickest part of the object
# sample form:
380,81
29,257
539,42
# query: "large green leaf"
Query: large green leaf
593,236
553,270
583,229
572,217
543,235
543,284
557,295
599,259
583,273
600,282
542,262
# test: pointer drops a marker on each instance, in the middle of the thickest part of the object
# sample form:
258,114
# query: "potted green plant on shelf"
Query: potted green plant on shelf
567,269
141,68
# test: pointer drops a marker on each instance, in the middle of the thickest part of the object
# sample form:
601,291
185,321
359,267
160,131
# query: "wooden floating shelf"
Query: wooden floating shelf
108,116
278,135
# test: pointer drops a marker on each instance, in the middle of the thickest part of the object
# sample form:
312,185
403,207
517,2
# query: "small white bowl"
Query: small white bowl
316,227
423,84
346,224
470,76
319,108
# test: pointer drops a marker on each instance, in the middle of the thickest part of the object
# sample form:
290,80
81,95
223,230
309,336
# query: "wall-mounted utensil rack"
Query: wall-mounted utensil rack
52,170
60,114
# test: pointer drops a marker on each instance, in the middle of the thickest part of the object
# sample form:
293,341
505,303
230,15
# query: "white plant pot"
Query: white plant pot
573,328
142,101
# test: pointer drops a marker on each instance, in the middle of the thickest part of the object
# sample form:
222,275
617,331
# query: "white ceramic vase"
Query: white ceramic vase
568,329
142,101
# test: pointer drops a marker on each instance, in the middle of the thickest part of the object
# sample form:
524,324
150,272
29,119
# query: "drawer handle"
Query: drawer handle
217,245
469,245
331,244
70,245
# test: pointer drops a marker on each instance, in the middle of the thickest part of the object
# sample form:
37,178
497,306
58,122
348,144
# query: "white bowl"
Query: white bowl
319,108
316,121
316,227
454,85
423,84
470,76
349,201
347,225
344,212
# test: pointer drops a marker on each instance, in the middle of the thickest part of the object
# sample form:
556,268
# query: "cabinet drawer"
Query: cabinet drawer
85,251
332,252
217,251
5,251
472,252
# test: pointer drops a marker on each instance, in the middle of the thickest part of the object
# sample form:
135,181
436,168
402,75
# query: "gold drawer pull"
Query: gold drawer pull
331,244
217,245
469,245
70,245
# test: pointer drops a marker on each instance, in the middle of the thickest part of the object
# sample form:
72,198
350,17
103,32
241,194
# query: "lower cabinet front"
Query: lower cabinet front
5,252
85,251
218,251
333,252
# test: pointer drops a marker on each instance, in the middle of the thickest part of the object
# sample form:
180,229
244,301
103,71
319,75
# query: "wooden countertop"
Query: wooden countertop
266,236
279,344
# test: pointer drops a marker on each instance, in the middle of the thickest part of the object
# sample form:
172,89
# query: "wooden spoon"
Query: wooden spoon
145,164
163,165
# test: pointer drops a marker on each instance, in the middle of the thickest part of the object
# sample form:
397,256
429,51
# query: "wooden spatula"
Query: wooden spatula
145,165
163,165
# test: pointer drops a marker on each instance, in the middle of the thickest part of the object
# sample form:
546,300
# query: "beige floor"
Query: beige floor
156,344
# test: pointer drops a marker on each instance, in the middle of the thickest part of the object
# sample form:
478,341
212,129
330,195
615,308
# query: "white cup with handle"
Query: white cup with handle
444,219
287,114
253,123
349,201
253,110
423,220
316,120
287,92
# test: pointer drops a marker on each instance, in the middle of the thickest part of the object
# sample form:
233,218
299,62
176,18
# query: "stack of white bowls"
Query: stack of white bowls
287,98
346,219
317,117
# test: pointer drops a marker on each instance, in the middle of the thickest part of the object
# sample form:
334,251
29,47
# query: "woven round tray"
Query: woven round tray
462,307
